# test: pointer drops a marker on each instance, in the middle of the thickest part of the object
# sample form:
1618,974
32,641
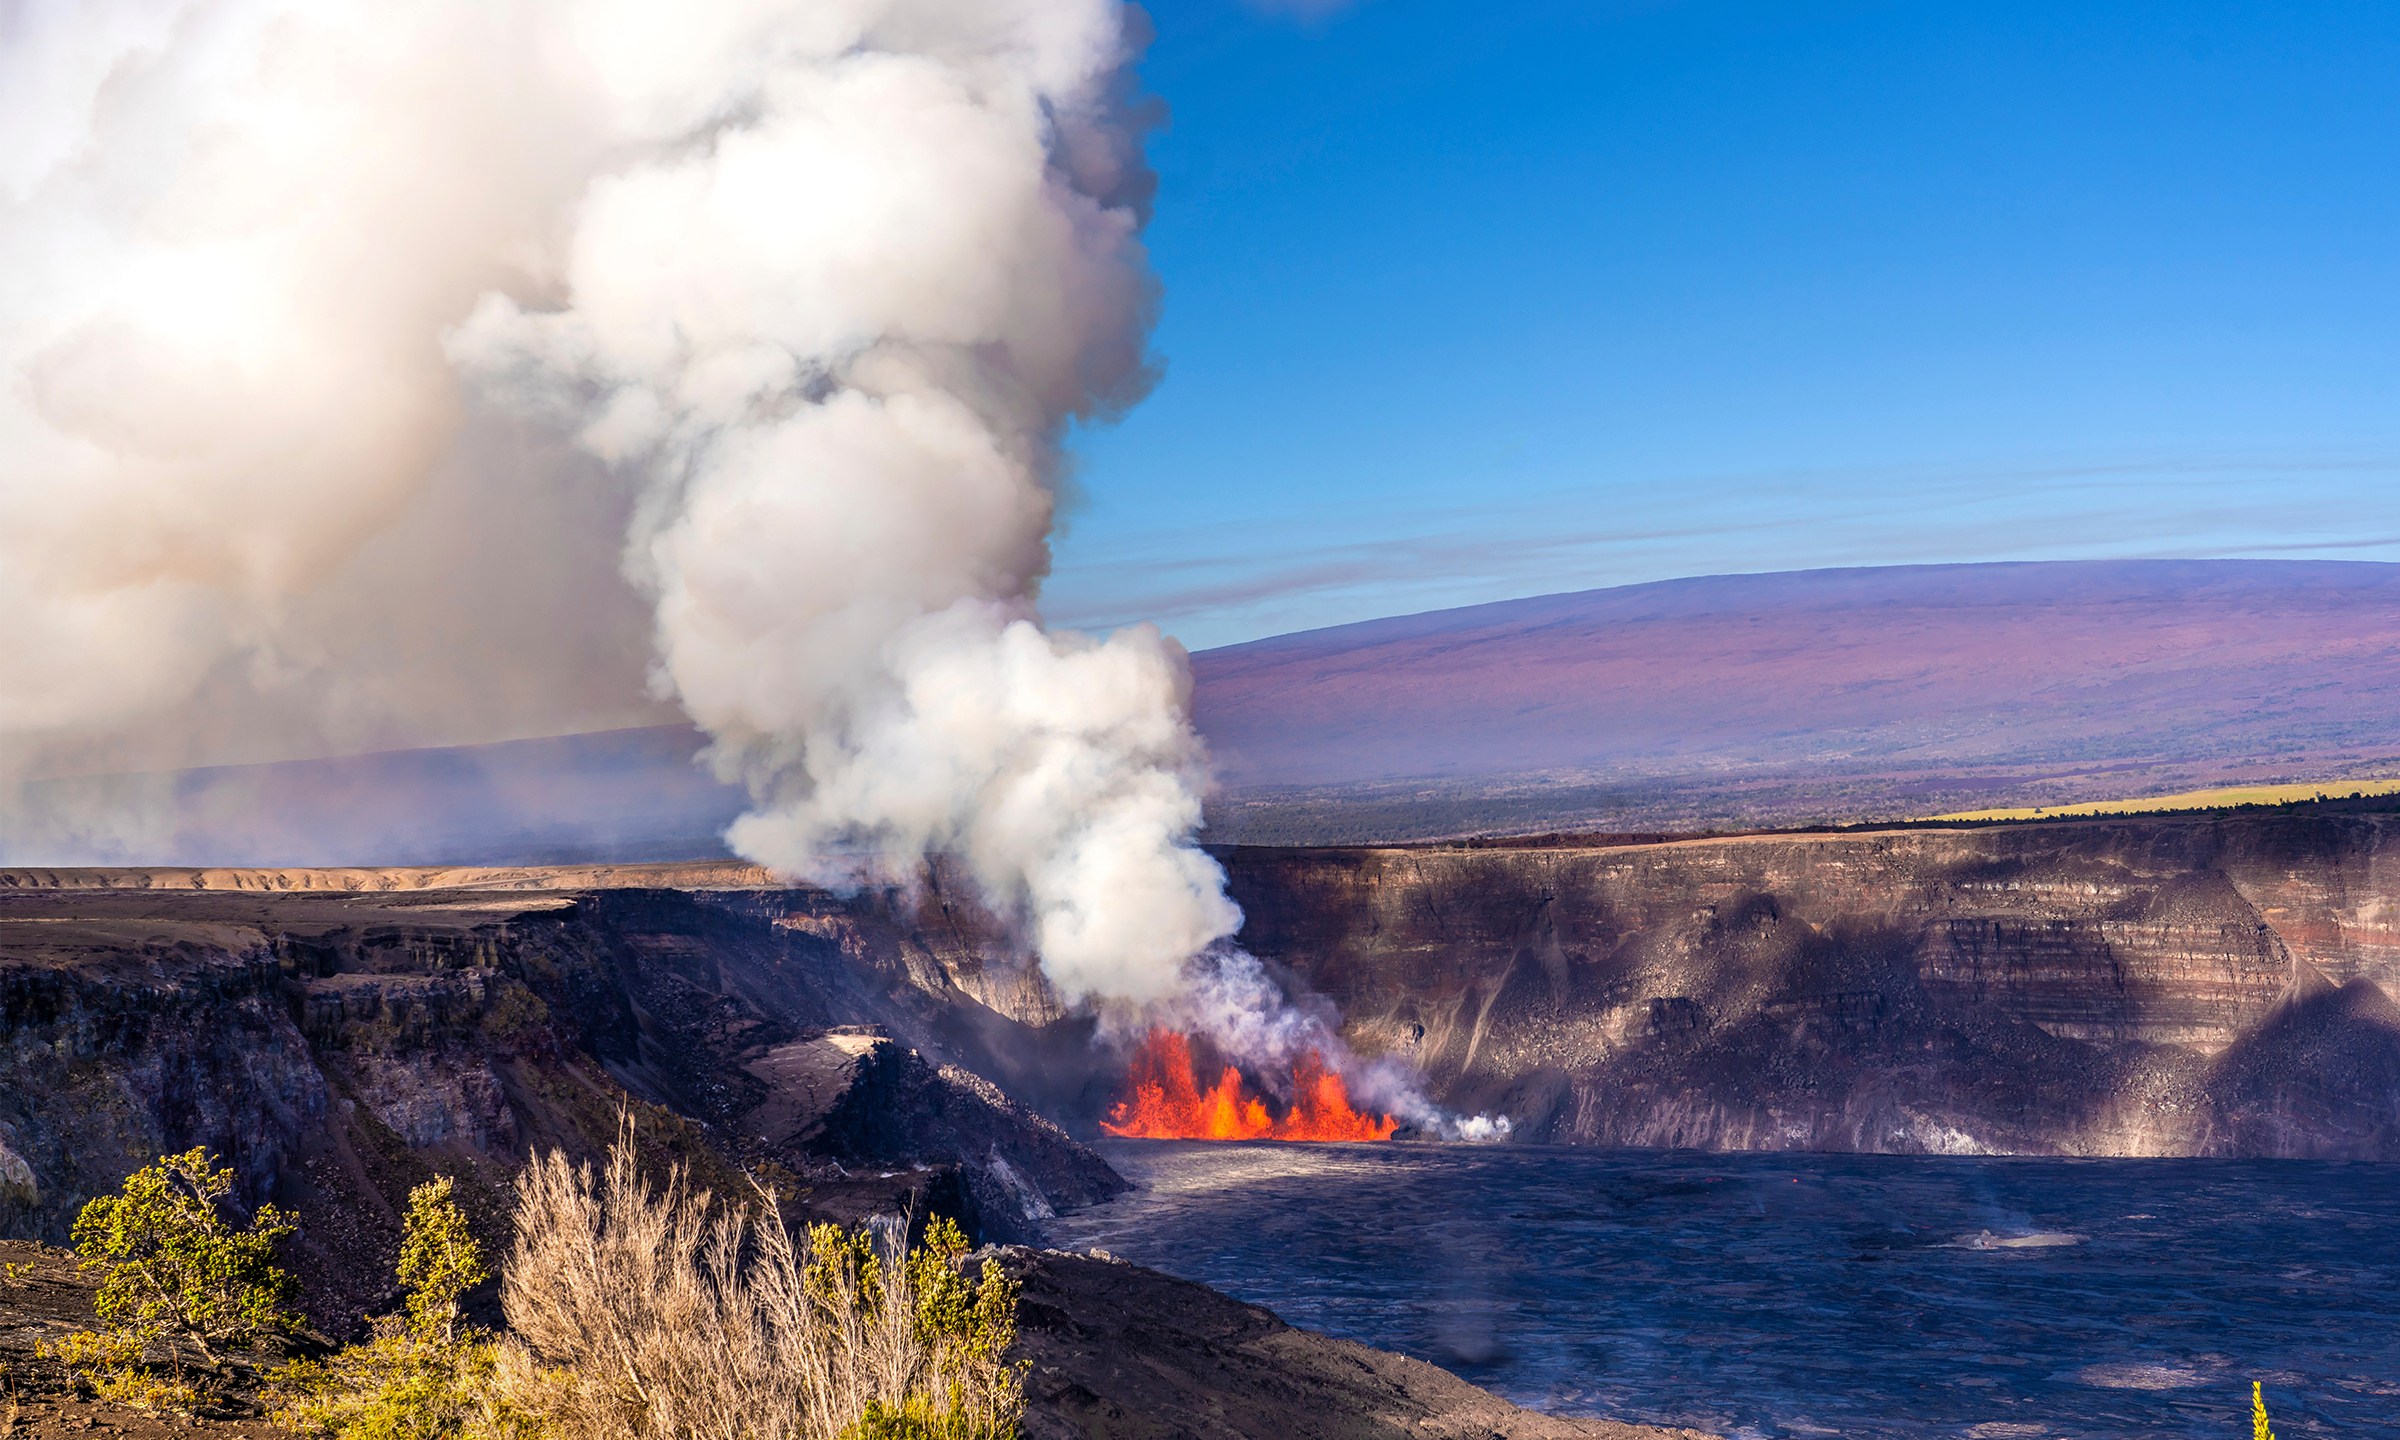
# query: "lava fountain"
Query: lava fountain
1164,1101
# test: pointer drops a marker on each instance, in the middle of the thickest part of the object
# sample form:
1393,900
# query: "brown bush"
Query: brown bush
649,1312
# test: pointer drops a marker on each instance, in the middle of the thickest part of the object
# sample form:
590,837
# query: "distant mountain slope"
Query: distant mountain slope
1831,694
620,795
1742,700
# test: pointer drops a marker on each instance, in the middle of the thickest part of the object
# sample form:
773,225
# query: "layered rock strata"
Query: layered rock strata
2169,985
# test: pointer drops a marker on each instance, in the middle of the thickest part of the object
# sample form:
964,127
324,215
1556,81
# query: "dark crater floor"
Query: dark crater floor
1801,1295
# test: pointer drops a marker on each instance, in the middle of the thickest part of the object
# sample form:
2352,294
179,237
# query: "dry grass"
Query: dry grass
648,1312
2218,799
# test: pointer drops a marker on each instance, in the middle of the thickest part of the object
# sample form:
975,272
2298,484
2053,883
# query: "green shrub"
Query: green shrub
397,1386
425,1375
439,1259
180,1285
640,1314
969,1328
918,1419
959,1386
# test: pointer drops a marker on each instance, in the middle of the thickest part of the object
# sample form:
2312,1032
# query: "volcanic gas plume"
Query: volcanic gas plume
766,320
1164,1101
817,285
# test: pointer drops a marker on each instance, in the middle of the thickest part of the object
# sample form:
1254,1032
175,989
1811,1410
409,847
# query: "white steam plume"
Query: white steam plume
821,283
805,295
839,332
238,516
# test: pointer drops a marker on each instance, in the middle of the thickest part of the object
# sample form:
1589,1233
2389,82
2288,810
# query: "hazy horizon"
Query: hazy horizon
1799,697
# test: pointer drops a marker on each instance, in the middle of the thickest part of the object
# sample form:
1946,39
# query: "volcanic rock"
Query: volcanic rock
2171,985
338,1038
861,1100
1123,1353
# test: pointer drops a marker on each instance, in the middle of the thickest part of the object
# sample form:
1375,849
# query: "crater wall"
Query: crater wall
2157,985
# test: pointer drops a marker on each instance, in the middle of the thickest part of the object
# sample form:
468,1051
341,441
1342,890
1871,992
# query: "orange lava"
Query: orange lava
1167,1102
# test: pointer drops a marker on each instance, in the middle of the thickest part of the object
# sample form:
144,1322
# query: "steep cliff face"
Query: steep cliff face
2152,986
129,1054
338,1044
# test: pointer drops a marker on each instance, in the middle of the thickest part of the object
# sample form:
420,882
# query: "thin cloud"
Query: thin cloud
1217,584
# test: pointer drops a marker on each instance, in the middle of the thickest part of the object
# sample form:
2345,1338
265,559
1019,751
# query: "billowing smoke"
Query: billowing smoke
817,286
859,269
244,512
766,319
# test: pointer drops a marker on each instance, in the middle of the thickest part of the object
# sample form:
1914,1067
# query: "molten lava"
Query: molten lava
1167,1102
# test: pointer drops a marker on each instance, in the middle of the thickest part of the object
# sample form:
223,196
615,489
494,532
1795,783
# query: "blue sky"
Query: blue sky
1472,300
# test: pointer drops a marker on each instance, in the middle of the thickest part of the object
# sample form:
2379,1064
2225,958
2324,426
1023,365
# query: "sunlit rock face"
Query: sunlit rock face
2156,986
